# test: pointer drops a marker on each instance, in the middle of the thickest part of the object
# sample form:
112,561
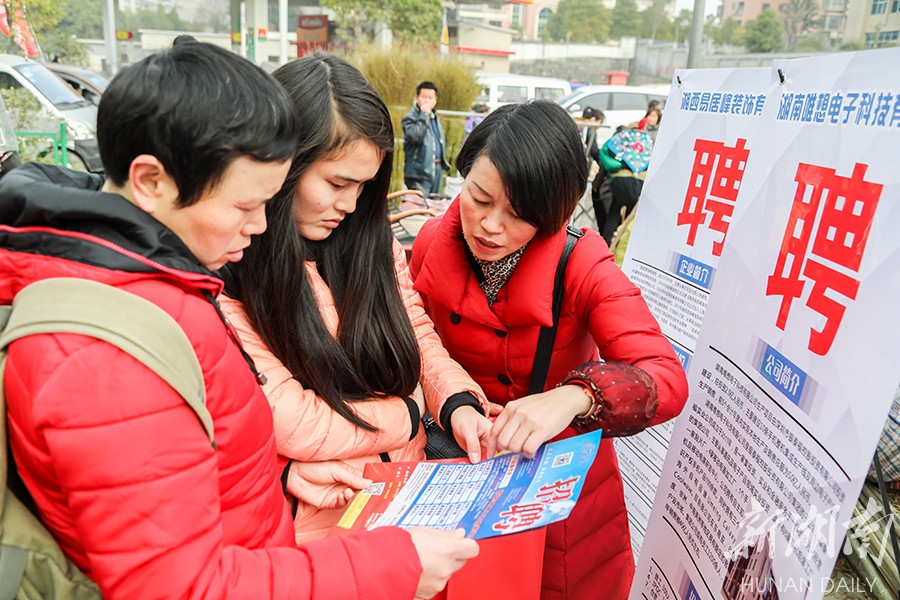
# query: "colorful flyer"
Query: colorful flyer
507,494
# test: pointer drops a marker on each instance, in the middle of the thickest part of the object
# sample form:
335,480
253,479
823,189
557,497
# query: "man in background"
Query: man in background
424,143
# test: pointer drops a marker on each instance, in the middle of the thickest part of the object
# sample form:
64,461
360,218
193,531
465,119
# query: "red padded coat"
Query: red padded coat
587,556
120,469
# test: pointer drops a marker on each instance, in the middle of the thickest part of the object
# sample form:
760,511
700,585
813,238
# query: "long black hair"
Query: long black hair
374,353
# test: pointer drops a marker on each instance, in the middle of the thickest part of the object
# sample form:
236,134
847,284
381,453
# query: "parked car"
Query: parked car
61,104
500,89
87,83
621,104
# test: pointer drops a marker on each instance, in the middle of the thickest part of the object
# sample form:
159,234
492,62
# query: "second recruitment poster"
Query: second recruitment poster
796,362
692,194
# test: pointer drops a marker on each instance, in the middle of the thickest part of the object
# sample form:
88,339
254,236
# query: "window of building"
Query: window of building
895,6
739,9
766,5
833,22
879,7
882,38
516,15
833,4
544,16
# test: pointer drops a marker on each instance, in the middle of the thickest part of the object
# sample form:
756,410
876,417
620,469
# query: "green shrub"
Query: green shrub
809,44
395,72
27,114
852,46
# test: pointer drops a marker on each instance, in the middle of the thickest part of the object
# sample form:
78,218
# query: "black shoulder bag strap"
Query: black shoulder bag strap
548,334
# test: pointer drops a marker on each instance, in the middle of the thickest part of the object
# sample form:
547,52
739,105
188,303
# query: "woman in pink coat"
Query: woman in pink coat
324,304
486,272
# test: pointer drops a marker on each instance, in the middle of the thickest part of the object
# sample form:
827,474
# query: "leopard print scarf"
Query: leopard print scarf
495,273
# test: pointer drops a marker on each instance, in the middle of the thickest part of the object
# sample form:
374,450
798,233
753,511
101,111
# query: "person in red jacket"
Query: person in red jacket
194,140
486,270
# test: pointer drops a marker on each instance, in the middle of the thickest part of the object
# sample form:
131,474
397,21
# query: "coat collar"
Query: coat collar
64,214
447,277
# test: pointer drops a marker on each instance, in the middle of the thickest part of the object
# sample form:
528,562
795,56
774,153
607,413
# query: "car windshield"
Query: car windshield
51,86
99,81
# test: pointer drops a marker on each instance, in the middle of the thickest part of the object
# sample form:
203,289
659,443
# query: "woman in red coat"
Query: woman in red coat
486,270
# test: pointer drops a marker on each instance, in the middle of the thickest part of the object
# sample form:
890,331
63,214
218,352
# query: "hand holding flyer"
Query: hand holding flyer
504,495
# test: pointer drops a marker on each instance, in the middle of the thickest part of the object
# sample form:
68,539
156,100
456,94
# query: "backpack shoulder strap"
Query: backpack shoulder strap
129,322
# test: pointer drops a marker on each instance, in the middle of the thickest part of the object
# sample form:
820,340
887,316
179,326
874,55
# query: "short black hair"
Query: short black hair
536,148
426,85
195,107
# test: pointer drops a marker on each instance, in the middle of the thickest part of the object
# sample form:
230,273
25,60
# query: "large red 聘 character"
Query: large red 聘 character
715,181
830,220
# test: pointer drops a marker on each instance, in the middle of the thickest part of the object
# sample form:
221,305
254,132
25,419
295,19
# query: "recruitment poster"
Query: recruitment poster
692,194
797,360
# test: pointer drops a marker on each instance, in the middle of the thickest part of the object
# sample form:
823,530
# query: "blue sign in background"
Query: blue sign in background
683,357
691,593
787,377
693,270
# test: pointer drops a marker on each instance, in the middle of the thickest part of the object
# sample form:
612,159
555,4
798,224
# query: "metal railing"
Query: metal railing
59,141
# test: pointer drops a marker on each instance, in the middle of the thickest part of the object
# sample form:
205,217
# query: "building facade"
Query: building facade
873,23
831,21
749,575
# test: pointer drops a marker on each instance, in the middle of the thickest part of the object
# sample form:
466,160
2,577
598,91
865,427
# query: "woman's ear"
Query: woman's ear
151,185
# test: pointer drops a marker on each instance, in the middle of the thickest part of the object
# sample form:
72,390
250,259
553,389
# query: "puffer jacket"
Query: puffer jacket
306,427
587,556
118,466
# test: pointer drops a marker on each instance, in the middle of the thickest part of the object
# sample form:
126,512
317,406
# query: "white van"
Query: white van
61,103
502,89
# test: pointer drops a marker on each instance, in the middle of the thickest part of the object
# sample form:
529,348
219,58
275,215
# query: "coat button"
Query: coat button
500,333
502,378
455,318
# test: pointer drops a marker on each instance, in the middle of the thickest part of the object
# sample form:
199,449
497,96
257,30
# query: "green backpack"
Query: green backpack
32,565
